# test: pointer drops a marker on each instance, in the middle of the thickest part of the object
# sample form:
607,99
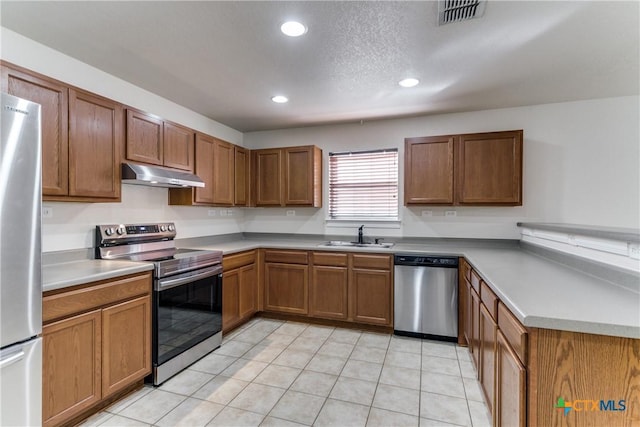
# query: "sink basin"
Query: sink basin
339,243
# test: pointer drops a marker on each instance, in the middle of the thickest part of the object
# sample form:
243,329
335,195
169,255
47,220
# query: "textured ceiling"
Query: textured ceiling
226,59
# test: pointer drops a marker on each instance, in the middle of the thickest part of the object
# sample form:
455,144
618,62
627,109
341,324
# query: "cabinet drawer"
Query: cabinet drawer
288,257
326,258
230,262
514,332
372,261
475,280
98,294
489,299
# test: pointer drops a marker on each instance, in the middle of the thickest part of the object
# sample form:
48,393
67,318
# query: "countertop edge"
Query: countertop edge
94,276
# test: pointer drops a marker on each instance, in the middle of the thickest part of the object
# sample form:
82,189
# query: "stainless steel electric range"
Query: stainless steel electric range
187,292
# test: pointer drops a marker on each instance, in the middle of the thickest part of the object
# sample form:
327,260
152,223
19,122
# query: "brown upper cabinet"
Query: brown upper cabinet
82,136
216,162
290,176
155,141
469,169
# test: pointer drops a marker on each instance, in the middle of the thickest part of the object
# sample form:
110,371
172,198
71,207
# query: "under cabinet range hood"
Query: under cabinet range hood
155,176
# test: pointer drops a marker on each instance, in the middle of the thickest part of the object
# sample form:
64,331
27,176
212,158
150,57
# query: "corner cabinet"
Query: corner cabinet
470,169
96,343
82,137
290,176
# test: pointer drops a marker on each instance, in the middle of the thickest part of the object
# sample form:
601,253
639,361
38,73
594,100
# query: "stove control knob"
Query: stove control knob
121,230
109,231
172,227
163,228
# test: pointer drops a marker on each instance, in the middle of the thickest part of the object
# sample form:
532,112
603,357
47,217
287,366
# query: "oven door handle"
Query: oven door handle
191,277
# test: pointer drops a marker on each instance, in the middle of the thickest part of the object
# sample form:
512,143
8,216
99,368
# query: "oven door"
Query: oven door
188,310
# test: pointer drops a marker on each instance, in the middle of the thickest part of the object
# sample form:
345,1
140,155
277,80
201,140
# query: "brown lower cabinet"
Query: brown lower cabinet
328,291
511,382
96,342
239,289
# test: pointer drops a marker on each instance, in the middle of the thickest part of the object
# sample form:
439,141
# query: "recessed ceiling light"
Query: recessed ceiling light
279,99
293,28
410,82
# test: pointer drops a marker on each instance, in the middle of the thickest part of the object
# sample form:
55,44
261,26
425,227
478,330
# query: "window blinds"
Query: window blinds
363,185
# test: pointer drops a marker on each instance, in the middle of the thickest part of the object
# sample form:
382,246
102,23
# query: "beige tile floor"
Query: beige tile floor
274,373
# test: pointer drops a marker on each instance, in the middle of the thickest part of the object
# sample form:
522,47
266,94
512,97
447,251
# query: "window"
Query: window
364,185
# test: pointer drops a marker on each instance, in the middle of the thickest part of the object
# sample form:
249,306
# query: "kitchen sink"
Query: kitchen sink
342,243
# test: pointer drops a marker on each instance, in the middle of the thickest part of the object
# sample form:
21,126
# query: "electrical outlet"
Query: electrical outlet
211,212
427,213
229,212
223,212
634,250
450,213
291,213
47,212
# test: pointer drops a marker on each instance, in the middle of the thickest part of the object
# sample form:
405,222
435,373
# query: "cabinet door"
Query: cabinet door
328,293
223,174
489,168
428,174
475,328
178,146
371,296
242,165
488,330
72,367
126,344
286,288
95,144
468,321
144,138
248,299
511,383
53,98
230,299
268,177
204,168
298,176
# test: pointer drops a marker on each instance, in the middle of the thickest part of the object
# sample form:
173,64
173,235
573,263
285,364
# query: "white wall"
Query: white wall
581,165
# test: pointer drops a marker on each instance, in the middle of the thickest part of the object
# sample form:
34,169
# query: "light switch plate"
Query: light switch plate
450,213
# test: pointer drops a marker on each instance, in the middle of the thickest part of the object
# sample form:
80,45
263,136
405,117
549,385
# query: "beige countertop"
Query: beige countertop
540,292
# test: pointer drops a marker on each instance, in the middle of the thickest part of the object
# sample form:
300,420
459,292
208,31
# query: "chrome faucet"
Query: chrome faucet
360,236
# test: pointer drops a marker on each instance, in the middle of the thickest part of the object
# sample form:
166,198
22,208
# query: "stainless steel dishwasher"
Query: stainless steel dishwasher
426,296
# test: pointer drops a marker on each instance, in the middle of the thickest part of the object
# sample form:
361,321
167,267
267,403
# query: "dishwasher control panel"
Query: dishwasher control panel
426,261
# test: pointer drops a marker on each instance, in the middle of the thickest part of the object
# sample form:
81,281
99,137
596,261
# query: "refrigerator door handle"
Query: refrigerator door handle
12,358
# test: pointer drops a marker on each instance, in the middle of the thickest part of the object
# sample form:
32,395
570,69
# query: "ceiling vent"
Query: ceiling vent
459,10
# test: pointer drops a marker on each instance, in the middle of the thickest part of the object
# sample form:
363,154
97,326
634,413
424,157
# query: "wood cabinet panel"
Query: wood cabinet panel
178,146
248,290
371,296
56,305
332,259
469,318
286,288
230,299
144,137
242,167
95,143
514,333
511,381
204,169
53,98
475,281
489,168
126,344
475,328
328,293
429,170
576,366
230,262
268,177
223,173
463,314
302,176
72,366
240,291
285,256
488,329
489,299
384,262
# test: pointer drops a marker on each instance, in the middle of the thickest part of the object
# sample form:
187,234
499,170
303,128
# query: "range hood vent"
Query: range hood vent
155,176
459,10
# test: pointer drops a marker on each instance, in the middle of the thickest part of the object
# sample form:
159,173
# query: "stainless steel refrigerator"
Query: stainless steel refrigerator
20,263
